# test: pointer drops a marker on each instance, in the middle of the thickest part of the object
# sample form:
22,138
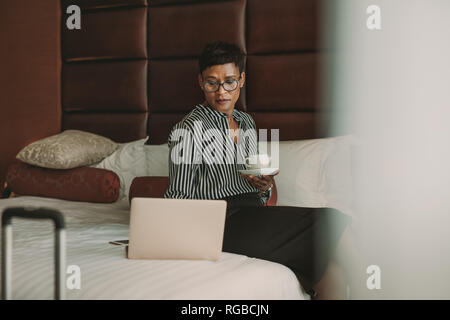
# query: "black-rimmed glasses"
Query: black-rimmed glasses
213,86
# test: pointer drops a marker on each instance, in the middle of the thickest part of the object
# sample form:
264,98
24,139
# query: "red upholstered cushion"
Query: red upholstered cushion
155,187
78,184
148,187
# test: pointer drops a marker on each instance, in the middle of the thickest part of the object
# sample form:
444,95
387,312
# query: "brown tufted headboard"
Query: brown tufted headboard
131,69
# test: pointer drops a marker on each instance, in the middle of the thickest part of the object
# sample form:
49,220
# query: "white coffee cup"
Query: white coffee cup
257,161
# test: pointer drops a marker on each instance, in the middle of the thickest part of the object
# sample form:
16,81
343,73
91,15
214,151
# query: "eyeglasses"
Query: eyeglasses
213,86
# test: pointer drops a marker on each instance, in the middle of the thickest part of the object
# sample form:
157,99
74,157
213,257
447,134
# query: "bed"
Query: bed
107,274
115,76
318,169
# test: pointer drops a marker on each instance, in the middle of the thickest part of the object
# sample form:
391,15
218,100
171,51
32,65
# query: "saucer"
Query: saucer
259,172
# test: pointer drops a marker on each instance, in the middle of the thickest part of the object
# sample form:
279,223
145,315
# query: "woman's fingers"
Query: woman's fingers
262,183
269,179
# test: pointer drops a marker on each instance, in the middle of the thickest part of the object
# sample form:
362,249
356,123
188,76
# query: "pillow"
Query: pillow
128,162
66,150
155,187
315,173
148,187
157,157
78,184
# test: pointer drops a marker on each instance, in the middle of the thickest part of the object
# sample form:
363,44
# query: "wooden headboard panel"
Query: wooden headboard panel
131,70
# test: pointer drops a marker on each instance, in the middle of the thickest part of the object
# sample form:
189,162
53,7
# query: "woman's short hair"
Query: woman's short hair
219,52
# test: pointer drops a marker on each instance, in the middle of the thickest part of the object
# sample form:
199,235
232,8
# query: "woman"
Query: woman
207,148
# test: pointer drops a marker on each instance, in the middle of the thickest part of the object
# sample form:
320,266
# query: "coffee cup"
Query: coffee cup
257,161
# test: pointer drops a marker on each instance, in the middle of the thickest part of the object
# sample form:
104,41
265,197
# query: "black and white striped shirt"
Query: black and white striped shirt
203,158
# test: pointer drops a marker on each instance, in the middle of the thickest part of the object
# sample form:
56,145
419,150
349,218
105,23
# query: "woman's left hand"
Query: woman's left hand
263,183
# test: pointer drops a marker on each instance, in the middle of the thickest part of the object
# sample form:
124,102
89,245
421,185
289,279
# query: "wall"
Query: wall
391,89
30,106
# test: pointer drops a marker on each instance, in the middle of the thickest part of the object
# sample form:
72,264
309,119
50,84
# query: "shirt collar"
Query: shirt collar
236,113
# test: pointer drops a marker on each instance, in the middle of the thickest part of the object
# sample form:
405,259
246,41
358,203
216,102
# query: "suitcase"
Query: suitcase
60,246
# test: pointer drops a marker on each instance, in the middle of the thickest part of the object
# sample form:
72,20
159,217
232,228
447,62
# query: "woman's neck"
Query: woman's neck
229,114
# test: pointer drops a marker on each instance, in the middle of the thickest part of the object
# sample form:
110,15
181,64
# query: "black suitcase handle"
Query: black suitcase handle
33,213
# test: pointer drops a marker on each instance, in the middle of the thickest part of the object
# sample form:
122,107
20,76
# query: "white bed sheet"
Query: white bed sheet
107,274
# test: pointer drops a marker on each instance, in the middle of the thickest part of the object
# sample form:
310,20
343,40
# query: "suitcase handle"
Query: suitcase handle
60,240
33,213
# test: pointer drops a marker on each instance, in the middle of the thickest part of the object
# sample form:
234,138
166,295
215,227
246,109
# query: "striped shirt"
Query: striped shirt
203,158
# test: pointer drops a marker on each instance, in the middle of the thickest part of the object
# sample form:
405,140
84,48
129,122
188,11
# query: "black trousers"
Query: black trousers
302,239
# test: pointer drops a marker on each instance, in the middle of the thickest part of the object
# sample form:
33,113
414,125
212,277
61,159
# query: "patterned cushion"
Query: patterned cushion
66,150
78,184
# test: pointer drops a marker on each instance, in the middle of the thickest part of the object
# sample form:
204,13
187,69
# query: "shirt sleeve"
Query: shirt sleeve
266,196
182,164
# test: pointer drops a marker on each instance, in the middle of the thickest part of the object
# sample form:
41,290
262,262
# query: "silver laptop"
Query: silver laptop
176,229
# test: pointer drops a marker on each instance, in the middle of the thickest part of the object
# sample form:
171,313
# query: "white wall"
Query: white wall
391,87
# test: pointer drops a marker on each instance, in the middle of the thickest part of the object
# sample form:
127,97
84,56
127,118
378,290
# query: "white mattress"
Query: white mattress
107,274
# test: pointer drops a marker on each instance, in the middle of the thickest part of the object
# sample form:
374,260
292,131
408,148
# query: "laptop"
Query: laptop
176,229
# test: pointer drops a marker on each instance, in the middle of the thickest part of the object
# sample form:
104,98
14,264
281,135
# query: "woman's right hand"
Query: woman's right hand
263,183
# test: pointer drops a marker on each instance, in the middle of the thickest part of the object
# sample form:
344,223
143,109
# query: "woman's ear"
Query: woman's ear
242,81
200,81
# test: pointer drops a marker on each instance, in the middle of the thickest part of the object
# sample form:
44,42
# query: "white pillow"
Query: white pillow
128,162
157,159
315,173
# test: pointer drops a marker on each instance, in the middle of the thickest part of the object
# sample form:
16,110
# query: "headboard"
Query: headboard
131,71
